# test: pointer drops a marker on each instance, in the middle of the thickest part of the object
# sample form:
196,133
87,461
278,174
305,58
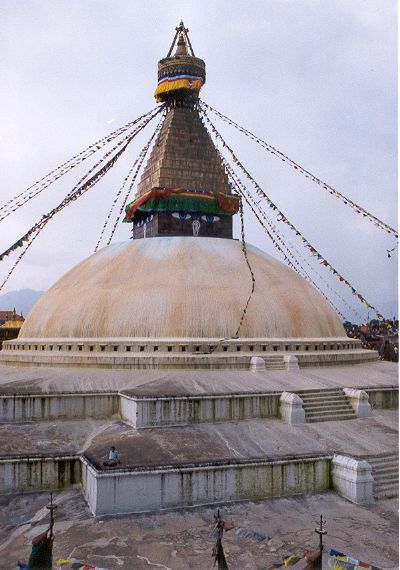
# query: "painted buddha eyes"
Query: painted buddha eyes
210,219
186,216
181,215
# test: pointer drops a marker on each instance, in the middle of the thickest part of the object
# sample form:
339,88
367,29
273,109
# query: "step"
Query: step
319,390
380,486
339,413
322,398
394,480
386,492
391,468
383,463
383,458
328,419
308,396
388,495
386,476
330,405
335,398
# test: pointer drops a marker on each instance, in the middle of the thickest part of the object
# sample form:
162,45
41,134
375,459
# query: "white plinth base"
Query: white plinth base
291,362
257,364
359,401
291,408
352,479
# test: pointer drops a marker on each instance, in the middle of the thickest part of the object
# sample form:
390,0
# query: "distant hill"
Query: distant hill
23,300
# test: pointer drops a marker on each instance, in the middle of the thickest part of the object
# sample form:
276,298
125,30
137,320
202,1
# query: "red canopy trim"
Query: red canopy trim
226,202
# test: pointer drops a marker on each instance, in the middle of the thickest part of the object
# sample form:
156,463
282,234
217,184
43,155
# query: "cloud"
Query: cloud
316,79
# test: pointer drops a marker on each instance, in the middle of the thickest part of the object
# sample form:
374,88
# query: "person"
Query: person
113,459
388,351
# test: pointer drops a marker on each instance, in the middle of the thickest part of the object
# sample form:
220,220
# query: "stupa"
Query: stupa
165,332
181,284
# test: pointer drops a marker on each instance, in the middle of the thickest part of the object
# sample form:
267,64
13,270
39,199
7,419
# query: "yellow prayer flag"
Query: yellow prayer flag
292,560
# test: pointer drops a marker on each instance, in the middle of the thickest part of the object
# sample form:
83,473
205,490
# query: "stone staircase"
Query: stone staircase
385,471
274,362
326,405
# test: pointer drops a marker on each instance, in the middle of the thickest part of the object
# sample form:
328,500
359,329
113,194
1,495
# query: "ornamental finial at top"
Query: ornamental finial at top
182,35
181,75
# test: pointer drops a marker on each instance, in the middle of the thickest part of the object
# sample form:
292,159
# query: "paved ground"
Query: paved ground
49,437
42,379
183,539
265,439
268,438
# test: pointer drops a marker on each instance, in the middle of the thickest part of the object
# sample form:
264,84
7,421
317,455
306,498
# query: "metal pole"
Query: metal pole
321,531
51,506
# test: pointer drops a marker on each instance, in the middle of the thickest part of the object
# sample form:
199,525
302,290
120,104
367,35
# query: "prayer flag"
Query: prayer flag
290,560
42,554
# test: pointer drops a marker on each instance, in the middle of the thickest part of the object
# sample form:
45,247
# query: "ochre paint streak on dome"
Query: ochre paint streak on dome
184,156
180,287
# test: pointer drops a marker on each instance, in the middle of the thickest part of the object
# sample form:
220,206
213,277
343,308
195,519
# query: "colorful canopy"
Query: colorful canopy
177,82
182,200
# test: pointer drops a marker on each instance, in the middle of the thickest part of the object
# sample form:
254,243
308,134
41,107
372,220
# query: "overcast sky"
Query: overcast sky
315,78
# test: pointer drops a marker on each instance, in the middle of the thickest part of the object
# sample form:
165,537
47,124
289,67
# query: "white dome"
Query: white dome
180,287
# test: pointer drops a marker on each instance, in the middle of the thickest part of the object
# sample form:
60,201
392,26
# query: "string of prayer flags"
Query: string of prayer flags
136,165
276,245
347,201
28,241
40,185
293,263
339,560
253,279
282,218
141,159
80,188
247,196
305,274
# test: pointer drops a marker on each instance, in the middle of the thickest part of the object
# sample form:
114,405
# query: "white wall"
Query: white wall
117,491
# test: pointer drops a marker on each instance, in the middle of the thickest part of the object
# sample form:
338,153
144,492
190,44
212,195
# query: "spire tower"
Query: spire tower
184,189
